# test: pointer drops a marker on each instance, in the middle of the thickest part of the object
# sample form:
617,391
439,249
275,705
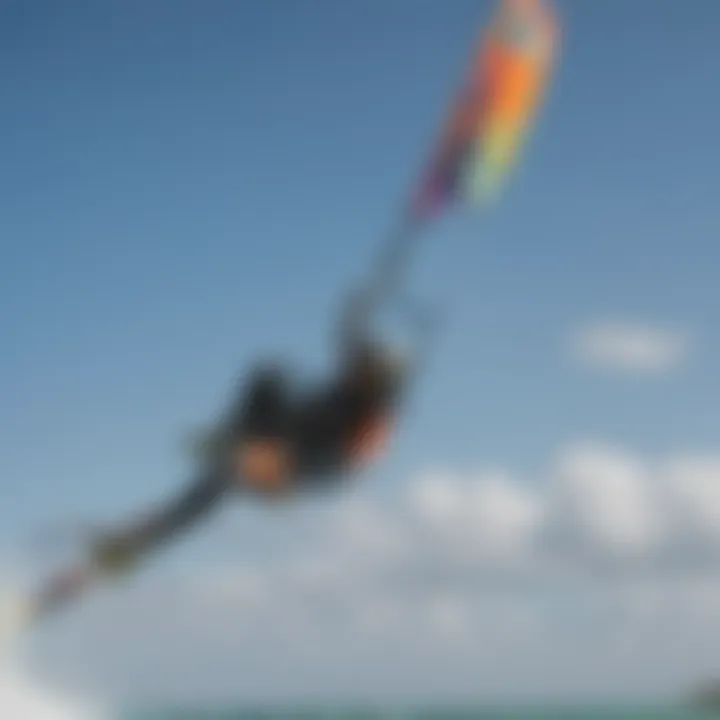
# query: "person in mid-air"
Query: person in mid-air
278,441
274,442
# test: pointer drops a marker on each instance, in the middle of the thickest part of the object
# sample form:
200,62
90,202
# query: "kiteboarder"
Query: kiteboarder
274,441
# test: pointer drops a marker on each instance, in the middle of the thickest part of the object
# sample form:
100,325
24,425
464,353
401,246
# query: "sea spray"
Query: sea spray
24,698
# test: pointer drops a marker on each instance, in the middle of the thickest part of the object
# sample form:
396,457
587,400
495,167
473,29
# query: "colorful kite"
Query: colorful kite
496,108
487,127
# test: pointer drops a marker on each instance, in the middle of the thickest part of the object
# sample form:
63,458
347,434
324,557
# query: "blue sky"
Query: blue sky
189,186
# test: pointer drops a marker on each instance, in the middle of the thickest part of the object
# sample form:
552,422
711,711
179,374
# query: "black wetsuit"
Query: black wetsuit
318,427
318,424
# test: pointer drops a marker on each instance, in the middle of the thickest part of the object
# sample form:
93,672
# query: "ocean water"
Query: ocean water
24,697
480,713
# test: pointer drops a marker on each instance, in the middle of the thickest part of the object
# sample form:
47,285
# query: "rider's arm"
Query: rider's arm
354,326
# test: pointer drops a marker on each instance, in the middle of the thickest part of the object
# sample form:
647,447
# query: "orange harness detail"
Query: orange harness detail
264,466
370,442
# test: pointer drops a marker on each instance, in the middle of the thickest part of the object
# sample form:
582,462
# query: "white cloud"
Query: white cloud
609,499
488,513
236,586
601,579
628,347
361,529
449,617
693,485
21,698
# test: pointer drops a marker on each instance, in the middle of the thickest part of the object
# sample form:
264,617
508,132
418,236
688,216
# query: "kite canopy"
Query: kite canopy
487,126
496,108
